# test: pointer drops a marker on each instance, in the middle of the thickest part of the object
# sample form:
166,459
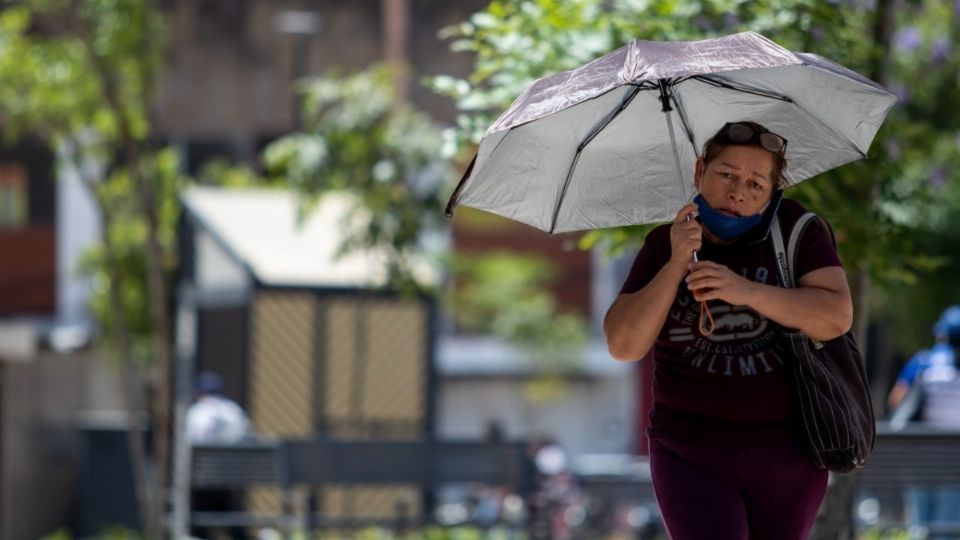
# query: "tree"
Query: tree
81,74
359,137
885,210
507,295
515,42
923,67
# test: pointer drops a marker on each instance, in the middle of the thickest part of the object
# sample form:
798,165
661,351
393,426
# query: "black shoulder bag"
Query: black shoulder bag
830,391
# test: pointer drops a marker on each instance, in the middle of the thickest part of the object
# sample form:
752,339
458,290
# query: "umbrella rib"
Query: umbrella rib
590,136
666,96
644,85
741,88
454,198
824,125
764,93
683,120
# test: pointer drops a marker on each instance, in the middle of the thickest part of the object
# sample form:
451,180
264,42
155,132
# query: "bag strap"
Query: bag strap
786,263
786,256
792,245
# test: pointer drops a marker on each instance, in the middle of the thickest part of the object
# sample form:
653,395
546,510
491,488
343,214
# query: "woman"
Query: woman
725,461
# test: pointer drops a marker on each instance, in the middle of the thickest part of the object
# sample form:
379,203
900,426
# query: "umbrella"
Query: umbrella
614,142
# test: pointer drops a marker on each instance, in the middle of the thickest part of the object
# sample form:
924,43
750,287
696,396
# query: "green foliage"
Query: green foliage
886,534
111,533
518,41
58,59
427,533
360,138
471,533
515,43
508,295
80,74
496,280
127,236
59,534
892,212
222,172
921,191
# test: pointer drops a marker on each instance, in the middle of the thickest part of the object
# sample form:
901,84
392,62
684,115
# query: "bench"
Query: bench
614,482
918,456
235,466
428,464
315,463
616,478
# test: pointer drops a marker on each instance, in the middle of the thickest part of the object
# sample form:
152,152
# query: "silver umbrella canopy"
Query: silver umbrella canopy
614,141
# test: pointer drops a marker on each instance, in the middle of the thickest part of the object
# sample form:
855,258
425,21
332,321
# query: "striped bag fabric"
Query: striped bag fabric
831,394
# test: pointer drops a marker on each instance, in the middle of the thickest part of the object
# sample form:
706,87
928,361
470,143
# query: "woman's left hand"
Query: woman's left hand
711,281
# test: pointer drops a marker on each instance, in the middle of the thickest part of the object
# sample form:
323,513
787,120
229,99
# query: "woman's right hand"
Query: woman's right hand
686,236
634,321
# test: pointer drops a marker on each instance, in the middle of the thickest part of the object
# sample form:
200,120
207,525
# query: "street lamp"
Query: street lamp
301,26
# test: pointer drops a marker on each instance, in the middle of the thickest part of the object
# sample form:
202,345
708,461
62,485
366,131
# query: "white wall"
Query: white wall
78,229
594,417
42,404
607,276
217,272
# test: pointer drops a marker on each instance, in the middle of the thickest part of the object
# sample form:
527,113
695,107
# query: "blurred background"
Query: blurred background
240,203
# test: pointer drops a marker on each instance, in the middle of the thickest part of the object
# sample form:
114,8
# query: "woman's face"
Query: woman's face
738,181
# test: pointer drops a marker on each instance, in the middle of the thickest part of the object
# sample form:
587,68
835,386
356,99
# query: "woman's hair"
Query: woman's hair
721,141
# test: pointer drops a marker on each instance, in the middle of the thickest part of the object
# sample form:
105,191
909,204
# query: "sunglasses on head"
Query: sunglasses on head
741,133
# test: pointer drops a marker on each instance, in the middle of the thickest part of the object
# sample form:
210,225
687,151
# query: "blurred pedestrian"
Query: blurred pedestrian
214,418
928,390
931,369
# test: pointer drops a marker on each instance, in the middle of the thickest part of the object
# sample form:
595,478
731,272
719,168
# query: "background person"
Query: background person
939,363
928,390
214,418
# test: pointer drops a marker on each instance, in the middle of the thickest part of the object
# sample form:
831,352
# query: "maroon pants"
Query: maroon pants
735,493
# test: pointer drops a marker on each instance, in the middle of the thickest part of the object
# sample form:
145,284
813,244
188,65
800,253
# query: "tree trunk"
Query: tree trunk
121,340
146,192
834,519
160,325
396,23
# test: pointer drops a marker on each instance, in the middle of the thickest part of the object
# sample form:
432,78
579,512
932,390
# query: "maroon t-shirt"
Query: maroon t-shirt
728,387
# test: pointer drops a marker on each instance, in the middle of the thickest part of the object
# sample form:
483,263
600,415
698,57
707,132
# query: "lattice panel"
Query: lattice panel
340,340
354,367
281,364
374,369
281,375
395,372
370,502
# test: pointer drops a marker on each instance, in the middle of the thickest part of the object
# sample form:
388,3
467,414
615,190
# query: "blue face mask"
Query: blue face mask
724,226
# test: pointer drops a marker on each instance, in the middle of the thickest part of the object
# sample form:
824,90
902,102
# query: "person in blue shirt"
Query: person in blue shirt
939,361
935,372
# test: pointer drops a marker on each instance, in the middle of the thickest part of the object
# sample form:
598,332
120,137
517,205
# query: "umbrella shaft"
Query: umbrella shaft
664,86
695,258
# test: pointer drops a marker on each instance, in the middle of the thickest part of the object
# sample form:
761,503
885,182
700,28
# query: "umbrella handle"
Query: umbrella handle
707,324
